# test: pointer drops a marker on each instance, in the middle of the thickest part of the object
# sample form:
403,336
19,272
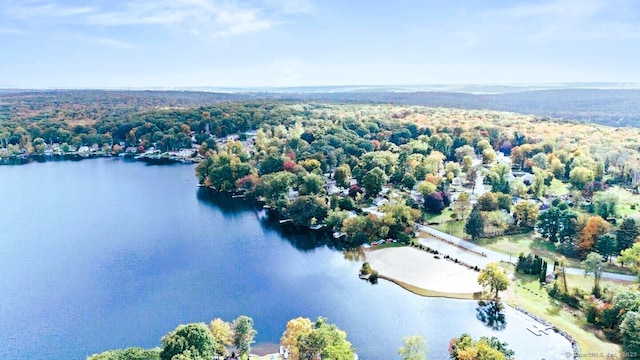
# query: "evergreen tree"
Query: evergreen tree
606,246
521,263
543,272
627,234
475,224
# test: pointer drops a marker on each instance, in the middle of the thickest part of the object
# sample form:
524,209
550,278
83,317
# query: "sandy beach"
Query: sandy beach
420,269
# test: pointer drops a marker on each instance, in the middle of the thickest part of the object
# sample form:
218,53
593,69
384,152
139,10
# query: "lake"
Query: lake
107,253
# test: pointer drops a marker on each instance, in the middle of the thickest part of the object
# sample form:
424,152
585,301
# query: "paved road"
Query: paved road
455,247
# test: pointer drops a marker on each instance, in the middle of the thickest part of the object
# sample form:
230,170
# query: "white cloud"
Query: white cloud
292,6
555,8
112,43
38,8
144,13
238,22
565,20
208,19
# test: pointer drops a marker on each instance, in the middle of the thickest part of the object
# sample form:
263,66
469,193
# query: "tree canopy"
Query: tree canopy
466,348
243,334
192,340
413,348
325,341
493,277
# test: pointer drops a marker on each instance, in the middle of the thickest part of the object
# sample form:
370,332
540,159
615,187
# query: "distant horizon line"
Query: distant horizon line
480,88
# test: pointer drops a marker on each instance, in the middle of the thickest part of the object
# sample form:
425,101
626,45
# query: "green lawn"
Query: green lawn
526,291
441,218
527,243
388,245
455,228
532,243
586,283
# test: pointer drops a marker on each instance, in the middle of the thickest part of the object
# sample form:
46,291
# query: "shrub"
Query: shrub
590,312
366,269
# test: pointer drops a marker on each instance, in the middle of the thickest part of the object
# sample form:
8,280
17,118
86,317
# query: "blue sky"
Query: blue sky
193,43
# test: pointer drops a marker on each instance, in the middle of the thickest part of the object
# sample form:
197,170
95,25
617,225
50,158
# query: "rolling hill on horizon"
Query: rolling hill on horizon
611,104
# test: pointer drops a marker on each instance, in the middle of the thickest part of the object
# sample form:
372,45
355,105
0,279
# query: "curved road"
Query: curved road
470,253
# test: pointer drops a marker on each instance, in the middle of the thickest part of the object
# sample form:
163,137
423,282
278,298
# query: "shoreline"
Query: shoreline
432,293
17,160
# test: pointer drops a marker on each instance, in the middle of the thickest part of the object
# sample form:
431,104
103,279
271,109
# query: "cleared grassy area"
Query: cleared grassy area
526,292
455,228
531,242
387,245
441,218
586,283
527,243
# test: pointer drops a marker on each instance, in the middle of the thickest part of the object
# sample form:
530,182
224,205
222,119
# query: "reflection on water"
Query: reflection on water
228,205
491,314
302,239
356,255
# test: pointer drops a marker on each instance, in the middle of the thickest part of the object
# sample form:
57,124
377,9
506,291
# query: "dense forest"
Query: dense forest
614,107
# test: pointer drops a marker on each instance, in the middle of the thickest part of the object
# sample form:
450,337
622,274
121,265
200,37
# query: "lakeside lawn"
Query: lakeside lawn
388,245
586,284
525,291
533,243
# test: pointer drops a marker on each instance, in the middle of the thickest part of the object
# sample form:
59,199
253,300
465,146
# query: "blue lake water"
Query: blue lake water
106,253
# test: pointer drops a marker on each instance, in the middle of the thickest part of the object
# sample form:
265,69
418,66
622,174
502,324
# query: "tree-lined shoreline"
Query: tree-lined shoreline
369,173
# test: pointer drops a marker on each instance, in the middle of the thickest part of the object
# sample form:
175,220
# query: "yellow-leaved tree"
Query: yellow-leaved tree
295,328
494,277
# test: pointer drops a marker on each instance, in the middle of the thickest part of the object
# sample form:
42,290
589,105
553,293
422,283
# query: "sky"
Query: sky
282,43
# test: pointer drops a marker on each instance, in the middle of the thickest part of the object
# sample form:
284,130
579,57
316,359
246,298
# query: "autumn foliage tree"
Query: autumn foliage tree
435,202
593,230
466,348
526,214
325,341
295,329
222,336
493,277
413,348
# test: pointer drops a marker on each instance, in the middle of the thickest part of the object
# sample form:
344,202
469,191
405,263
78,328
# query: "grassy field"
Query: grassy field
455,228
586,283
532,243
387,245
441,218
526,292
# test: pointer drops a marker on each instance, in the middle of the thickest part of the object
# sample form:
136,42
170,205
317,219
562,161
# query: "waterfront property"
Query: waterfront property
109,256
